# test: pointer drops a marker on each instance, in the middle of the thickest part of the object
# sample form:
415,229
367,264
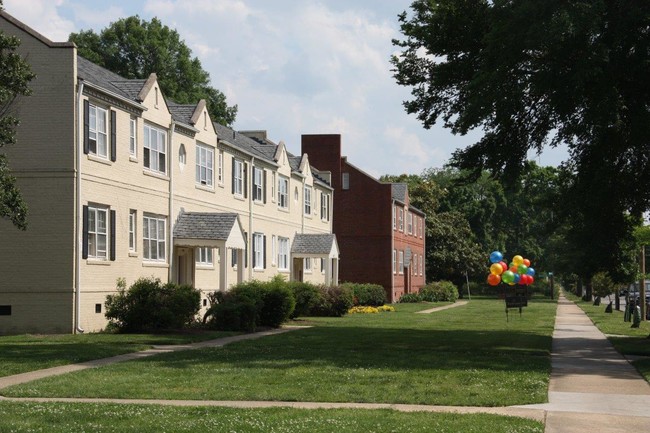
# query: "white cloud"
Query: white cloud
42,16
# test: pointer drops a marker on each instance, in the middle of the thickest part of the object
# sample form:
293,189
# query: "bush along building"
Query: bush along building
123,183
381,236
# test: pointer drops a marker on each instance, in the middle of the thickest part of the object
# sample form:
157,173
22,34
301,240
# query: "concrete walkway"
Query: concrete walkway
592,387
446,307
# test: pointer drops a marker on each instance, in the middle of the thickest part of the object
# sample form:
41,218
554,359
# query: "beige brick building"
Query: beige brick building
123,183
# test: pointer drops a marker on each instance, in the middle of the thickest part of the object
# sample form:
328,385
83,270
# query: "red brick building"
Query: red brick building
381,237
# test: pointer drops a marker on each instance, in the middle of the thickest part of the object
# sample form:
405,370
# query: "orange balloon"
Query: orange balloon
493,279
496,269
527,262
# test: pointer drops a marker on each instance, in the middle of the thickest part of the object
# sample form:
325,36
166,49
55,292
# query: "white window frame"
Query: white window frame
258,250
409,222
97,136
204,165
203,256
258,184
307,200
394,262
98,233
133,224
324,206
133,137
274,249
283,253
421,264
394,217
154,234
307,265
401,220
220,167
283,192
155,149
238,178
401,263
414,267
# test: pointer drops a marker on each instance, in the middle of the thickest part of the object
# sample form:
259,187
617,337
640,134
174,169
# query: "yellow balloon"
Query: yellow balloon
517,260
496,269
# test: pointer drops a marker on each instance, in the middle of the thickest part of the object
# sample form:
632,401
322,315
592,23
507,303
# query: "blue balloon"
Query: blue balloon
530,272
496,257
517,278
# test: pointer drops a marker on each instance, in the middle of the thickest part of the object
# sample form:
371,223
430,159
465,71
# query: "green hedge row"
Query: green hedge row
437,291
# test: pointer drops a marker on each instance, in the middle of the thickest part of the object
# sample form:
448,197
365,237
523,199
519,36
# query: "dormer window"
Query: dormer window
156,97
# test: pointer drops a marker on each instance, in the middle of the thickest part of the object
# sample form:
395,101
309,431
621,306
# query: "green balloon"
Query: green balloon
522,269
508,277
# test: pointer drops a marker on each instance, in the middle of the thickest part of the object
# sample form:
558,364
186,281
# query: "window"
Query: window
98,308
324,206
132,229
258,184
133,144
401,220
421,263
394,217
409,222
154,238
155,149
283,253
283,192
414,267
307,207
97,131
322,266
220,167
97,233
259,247
203,256
5,310
233,258
204,165
394,261
273,250
238,177
421,227
345,180
307,264
401,262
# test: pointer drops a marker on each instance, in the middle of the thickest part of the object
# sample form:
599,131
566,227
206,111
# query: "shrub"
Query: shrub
337,300
439,291
232,316
373,295
308,298
410,298
278,304
149,305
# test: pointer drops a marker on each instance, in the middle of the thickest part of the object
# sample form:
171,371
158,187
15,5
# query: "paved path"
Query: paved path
592,387
433,310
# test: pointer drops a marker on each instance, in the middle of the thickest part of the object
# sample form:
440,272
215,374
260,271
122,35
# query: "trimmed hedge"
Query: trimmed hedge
149,305
410,298
438,291
372,295
308,298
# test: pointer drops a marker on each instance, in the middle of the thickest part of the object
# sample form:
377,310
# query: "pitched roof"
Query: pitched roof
400,191
321,244
108,80
181,112
204,225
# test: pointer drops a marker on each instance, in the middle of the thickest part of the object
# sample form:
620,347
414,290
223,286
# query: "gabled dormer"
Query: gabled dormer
281,157
305,168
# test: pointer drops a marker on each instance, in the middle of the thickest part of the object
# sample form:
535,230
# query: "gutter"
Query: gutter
78,234
170,247
250,219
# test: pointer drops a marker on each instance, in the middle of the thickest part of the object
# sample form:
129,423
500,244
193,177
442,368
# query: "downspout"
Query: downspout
250,220
302,206
170,247
393,257
78,234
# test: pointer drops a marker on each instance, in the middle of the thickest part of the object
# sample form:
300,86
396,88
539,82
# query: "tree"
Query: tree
535,73
135,48
15,75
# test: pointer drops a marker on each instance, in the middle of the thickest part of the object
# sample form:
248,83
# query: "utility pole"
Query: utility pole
642,284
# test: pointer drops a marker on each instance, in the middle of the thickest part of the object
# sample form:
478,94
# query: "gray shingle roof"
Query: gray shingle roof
399,191
181,112
108,80
313,243
204,225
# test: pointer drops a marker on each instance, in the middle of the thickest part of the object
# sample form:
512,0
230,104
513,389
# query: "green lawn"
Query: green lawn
112,418
468,355
22,353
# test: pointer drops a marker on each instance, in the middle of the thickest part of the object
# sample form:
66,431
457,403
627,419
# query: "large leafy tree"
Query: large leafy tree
135,48
15,75
535,73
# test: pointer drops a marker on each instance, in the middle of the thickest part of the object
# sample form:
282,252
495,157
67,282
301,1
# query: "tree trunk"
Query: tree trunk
588,291
579,288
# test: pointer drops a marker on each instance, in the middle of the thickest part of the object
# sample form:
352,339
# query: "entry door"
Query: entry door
185,263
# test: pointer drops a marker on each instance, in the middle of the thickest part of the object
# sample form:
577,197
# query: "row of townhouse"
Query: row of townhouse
122,183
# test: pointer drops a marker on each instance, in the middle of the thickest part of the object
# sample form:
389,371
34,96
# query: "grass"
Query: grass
111,418
626,340
468,355
22,353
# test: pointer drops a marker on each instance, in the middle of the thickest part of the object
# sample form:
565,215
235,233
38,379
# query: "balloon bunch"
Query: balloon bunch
519,271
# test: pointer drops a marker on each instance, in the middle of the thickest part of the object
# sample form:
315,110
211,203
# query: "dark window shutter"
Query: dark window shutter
232,177
264,196
264,250
113,135
112,229
86,124
245,175
84,235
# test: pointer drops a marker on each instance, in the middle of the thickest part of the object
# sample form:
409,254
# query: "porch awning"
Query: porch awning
315,245
208,229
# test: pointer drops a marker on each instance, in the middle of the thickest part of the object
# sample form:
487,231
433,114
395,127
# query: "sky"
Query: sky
292,67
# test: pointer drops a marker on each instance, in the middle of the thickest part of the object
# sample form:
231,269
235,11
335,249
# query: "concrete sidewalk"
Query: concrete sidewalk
592,387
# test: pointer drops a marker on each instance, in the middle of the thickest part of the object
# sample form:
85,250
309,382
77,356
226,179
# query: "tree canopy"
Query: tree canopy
135,48
532,74
15,75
